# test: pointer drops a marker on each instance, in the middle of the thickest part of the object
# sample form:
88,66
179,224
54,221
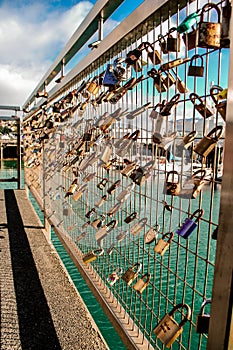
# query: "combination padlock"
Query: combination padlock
142,283
168,329
131,274
189,224
162,245
196,71
202,319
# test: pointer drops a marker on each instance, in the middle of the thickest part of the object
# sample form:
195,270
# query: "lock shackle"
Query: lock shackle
168,106
98,252
136,268
168,234
190,136
196,57
218,130
149,45
193,96
151,73
198,213
173,173
209,7
213,93
186,317
131,217
161,38
156,227
203,305
146,275
111,225
118,271
171,30
134,136
202,173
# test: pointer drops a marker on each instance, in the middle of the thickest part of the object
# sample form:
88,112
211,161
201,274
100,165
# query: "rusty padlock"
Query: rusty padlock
173,44
209,33
196,71
102,183
188,139
142,283
190,39
208,143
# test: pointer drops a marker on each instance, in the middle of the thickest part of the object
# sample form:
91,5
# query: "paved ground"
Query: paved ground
40,307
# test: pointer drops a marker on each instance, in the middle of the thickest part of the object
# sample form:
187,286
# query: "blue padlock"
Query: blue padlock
189,224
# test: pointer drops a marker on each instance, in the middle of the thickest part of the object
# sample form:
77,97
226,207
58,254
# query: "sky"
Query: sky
32,33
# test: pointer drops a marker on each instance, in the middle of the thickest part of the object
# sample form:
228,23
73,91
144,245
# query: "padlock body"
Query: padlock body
209,34
187,228
190,40
76,196
129,276
205,146
196,71
203,110
112,278
167,330
173,44
161,247
172,188
140,285
89,257
154,57
202,323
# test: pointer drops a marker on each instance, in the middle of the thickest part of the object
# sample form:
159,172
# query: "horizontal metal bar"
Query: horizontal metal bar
10,108
102,9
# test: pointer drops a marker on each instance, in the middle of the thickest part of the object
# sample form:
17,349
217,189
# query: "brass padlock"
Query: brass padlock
142,283
196,71
128,169
98,223
168,106
113,187
158,80
172,183
162,245
173,44
153,54
102,183
73,187
202,107
172,64
219,100
92,255
169,80
132,273
208,143
94,86
168,330
202,319
114,209
209,33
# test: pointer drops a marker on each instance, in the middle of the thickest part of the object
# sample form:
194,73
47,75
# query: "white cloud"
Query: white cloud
30,39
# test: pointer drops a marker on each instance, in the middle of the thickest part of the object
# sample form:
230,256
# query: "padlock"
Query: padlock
209,33
196,71
114,209
94,86
202,319
187,23
203,108
73,187
162,44
133,56
110,164
101,201
142,283
173,44
208,143
159,120
190,39
131,274
131,217
189,224
221,106
106,153
172,183
141,174
164,142
163,245
90,213
168,330
193,186
101,185
136,228
113,187
88,177
152,234
127,144
181,86
158,80
67,209
109,78
128,169
114,276
92,255
153,54
169,80
122,235
226,15
78,194
189,138
97,223
104,231
166,110
124,194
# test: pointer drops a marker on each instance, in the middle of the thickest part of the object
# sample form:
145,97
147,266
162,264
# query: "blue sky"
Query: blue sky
32,33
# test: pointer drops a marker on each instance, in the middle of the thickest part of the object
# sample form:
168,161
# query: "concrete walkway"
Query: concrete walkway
40,307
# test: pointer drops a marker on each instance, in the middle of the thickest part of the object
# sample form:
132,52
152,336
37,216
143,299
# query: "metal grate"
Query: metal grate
184,274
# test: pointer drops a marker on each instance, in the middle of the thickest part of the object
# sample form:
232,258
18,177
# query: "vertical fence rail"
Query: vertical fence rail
87,142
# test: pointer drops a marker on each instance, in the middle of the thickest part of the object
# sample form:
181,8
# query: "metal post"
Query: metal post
18,154
100,26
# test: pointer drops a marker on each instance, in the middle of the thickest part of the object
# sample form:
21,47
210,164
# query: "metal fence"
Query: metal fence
127,159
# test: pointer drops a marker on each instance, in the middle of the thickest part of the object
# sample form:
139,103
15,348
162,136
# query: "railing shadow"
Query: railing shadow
35,322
